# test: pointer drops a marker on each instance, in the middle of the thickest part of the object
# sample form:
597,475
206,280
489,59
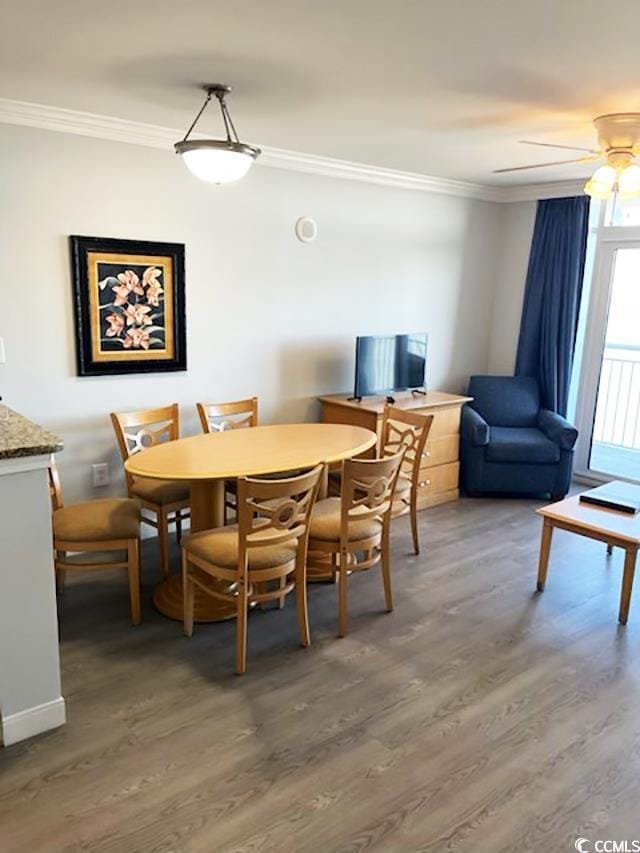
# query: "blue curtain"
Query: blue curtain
552,297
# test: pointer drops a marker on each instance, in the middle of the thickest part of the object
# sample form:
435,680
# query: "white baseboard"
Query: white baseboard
33,721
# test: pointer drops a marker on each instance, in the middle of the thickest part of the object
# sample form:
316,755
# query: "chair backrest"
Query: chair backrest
55,490
405,430
136,431
368,486
275,512
506,401
217,417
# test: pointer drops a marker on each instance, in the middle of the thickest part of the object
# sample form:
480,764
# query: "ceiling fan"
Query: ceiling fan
619,141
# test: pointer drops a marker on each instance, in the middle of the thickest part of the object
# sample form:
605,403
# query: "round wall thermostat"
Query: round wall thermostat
306,229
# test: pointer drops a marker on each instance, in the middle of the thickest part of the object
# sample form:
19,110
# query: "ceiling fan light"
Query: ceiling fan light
629,182
601,183
217,161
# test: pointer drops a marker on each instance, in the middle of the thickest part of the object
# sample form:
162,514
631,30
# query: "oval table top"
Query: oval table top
250,451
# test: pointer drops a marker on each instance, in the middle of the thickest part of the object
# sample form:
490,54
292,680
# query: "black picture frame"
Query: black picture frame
160,303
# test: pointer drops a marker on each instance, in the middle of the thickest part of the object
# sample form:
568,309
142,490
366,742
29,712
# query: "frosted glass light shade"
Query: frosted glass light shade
217,161
629,182
602,183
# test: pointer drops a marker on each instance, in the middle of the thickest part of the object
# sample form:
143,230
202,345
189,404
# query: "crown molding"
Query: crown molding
62,120
533,192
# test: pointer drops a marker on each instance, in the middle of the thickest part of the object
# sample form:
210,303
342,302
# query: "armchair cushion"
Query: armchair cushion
506,401
521,444
473,427
558,429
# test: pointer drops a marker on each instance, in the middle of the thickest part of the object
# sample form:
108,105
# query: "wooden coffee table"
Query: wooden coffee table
616,528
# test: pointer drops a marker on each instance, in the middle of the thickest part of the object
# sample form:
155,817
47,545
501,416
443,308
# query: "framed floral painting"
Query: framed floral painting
129,306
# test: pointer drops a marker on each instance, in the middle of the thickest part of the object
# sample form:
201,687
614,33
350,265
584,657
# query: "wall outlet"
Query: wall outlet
100,474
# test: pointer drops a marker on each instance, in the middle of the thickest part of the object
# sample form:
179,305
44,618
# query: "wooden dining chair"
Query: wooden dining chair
401,429
100,534
408,430
353,530
219,417
262,558
164,502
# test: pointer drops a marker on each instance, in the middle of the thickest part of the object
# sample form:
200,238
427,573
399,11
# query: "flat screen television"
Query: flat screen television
388,363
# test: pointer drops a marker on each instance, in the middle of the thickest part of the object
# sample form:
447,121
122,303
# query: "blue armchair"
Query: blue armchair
510,444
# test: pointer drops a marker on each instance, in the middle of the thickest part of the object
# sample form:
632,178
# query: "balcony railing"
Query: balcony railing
618,409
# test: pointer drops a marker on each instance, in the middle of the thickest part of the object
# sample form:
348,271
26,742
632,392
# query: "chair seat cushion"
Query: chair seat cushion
521,444
325,523
160,491
220,547
97,521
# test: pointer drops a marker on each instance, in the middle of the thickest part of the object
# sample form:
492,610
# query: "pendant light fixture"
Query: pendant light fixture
219,161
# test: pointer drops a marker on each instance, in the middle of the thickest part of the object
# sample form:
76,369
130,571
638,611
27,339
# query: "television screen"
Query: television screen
390,363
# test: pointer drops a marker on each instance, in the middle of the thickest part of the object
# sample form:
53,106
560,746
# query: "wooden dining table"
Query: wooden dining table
206,461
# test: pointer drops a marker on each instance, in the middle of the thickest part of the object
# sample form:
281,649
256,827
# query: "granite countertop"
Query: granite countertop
21,437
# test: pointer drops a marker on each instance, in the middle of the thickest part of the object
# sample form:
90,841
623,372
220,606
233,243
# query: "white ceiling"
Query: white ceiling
439,88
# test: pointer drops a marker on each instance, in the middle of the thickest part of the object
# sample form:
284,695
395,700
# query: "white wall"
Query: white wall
266,314
516,232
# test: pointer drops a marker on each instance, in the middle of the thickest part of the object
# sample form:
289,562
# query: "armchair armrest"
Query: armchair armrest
558,429
473,427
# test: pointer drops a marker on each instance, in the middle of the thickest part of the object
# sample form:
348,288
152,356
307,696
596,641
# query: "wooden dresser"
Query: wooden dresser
442,461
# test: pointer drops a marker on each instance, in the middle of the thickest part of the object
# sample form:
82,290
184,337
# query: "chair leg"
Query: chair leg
301,605
342,594
179,525
61,574
386,568
241,630
281,584
414,522
163,542
188,597
133,571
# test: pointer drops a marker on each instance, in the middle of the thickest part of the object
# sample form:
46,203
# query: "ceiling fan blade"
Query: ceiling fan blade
553,145
543,165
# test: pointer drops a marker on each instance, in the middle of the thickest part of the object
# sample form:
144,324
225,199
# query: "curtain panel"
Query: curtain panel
552,297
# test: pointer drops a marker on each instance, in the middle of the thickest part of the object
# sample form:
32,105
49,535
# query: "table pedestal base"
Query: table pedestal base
167,598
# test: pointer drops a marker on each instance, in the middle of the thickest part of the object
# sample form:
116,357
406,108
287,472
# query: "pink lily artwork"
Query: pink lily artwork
129,304
134,318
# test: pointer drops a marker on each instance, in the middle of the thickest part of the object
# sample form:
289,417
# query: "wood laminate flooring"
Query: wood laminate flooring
478,716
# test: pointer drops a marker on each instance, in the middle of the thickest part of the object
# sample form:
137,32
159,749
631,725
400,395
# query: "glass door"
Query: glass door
609,414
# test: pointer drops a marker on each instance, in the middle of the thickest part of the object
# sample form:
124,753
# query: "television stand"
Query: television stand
354,399
390,399
422,392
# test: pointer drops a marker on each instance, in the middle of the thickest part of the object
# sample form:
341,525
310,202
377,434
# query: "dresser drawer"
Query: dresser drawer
440,451
442,478
445,422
